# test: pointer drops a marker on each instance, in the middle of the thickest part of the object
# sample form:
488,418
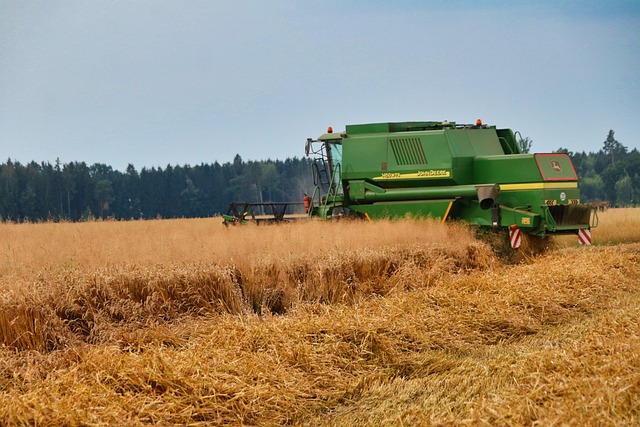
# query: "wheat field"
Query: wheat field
186,322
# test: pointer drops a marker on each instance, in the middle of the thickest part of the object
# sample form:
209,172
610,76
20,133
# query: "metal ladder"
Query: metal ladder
326,181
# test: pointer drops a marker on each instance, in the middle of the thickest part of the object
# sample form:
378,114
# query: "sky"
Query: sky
157,83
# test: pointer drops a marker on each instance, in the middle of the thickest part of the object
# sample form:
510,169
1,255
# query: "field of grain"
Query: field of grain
186,322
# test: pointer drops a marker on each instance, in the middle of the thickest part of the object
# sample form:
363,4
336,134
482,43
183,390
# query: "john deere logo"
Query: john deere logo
555,165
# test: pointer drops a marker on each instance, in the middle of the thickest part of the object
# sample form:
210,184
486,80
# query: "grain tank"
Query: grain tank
475,173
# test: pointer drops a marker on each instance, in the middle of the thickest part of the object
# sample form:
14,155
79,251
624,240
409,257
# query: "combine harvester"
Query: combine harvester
473,173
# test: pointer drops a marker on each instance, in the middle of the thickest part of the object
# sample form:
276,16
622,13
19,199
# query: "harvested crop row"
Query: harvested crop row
514,345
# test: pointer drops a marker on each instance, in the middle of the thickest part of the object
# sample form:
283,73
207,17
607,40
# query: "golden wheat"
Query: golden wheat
393,322
77,279
617,226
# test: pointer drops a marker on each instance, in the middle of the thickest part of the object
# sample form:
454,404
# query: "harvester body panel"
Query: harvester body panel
474,173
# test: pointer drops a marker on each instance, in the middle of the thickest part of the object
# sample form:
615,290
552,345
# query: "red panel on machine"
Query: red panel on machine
556,167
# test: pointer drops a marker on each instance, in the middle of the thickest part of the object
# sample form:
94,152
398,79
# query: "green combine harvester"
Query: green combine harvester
474,173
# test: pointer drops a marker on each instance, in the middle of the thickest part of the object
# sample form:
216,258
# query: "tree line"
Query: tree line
610,175
76,191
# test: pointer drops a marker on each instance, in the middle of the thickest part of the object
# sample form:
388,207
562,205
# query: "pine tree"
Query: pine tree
613,148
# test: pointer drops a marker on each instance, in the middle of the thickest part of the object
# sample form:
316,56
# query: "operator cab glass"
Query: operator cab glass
335,162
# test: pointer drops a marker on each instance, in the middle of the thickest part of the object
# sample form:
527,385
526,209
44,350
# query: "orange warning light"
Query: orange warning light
479,122
329,129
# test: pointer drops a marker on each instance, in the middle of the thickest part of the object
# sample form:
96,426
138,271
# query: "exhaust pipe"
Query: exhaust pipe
487,195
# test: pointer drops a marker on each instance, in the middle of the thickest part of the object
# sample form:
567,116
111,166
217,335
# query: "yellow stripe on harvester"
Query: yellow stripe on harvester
446,214
539,186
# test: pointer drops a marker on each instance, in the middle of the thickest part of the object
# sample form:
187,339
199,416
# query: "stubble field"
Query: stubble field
186,322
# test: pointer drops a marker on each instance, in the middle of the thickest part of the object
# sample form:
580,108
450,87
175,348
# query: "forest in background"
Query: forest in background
76,191
610,175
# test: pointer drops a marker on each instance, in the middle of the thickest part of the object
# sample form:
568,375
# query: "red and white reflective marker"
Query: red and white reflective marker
515,236
584,236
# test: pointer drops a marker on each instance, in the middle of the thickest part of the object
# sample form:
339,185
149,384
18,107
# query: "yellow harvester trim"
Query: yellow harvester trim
539,186
446,214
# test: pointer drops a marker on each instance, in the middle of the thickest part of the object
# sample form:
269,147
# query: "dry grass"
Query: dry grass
388,323
619,225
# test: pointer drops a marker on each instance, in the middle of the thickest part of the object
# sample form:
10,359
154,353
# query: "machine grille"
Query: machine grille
408,151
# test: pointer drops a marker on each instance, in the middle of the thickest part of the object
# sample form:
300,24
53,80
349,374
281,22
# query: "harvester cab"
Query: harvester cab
328,195
475,173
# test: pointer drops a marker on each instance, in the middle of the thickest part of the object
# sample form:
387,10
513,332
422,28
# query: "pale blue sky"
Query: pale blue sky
162,82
